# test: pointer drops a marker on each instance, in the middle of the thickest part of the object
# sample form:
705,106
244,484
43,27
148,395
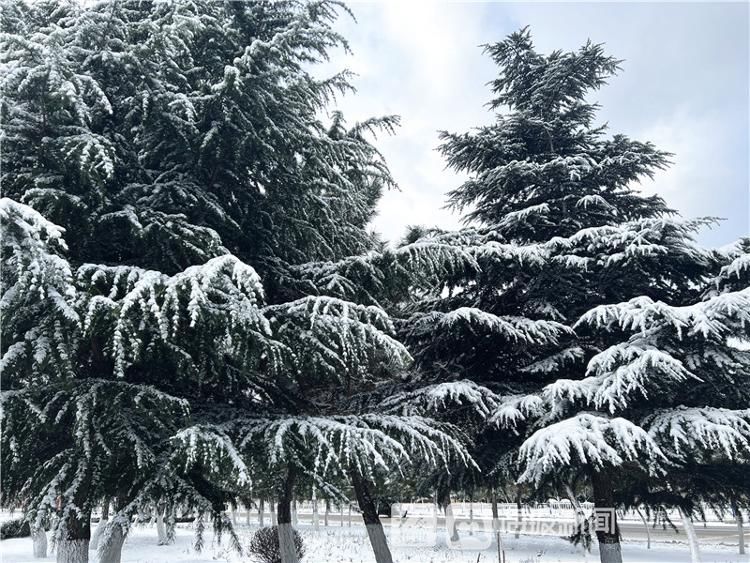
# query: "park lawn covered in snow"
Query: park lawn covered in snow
350,545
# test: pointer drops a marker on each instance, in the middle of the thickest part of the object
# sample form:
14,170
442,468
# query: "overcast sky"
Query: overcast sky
683,86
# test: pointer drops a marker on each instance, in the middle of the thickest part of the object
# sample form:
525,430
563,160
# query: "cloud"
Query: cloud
703,180
684,86
421,61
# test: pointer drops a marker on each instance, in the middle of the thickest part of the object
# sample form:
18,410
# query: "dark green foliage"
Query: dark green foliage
18,528
559,227
544,169
264,545
180,149
163,135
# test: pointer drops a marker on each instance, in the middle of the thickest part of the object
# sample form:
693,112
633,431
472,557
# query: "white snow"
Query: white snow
337,544
585,438
715,428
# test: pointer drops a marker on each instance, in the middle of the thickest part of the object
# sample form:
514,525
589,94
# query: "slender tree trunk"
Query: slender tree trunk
350,515
435,512
741,531
645,525
295,520
161,529
73,547
247,513
326,513
341,515
579,515
740,526
608,535
496,528
101,525
519,514
261,515
692,537
371,519
110,545
471,515
161,526
287,548
39,538
272,515
315,518
450,520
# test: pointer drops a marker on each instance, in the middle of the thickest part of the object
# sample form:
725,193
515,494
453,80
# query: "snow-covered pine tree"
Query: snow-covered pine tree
70,433
177,144
669,400
170,124
136,327
559,228
477,331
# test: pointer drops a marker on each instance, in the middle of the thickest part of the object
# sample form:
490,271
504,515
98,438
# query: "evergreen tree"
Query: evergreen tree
161,135
559,228
666,405
180,149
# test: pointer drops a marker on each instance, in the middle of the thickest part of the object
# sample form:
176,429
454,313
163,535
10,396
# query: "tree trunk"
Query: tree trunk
579,515
471,516
519,515
326,513
740,531
645,525
161,527
450,520
110,544
350,515
435,513
607,530
341,515
272,513
261,510
496,528
371,519
315,518
73,547
740,526
101,525
287,549
39,537
247,513
692,537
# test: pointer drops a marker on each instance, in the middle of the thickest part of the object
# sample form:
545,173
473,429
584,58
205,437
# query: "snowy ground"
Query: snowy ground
350,545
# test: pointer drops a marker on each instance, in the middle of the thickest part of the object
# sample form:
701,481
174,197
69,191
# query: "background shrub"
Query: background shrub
18,528
265,545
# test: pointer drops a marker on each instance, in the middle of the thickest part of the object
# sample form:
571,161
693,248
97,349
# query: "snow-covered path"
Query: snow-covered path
349,545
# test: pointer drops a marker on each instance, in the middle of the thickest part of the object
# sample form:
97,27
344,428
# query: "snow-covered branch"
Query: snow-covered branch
587,439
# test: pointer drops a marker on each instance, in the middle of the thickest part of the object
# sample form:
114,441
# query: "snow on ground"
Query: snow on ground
350,545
